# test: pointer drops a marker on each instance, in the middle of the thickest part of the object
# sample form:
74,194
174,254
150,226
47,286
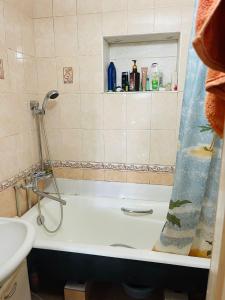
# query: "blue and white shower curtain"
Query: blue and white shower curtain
190,220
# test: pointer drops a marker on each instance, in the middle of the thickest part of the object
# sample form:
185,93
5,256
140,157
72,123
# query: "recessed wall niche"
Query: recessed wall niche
161,48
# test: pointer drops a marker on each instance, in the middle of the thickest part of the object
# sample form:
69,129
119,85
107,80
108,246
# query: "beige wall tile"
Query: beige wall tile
42,8
114,23
138,143
7,203
64,8
138,111
167,19
26,7
66,40
74,173
137,177
33,198
166,3
115,5
91,111
60,172
142,4
90,34
13,34
8,157
72,144
161,116
4,84
47,74
89,6
22,199
114,111
55,143
16,71
186,18
26,119
25,159
89,174
30,74
53,115
34,147
9,109
91,73
2,26
68,173
28,44
114,175
161,178
92,145
163,147
70,108
115,146
44,37
140,21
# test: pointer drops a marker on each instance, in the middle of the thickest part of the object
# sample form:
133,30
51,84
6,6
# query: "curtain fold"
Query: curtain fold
190,220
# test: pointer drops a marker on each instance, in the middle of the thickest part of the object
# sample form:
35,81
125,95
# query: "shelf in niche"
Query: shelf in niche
142,92
146,49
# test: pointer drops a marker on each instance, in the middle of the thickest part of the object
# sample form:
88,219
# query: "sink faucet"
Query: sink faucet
36,177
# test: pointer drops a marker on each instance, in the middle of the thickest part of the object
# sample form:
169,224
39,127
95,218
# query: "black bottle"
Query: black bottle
125,81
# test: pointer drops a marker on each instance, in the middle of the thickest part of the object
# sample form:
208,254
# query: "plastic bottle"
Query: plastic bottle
111,77
144,72
155,77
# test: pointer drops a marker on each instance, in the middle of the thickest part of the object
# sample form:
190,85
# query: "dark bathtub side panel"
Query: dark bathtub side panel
57,267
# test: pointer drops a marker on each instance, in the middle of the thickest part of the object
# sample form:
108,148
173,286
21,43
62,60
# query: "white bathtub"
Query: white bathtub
94,223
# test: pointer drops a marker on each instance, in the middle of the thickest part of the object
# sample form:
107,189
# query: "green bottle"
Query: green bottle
155,77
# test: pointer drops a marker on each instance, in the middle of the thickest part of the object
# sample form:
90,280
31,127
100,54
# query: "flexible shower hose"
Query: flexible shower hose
45,141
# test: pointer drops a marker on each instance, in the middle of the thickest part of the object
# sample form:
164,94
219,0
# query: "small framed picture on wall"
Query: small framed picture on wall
68,75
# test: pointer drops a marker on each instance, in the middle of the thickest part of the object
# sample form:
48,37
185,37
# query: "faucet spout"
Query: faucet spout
43,194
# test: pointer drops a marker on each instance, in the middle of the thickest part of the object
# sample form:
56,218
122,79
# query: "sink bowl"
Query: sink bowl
16,240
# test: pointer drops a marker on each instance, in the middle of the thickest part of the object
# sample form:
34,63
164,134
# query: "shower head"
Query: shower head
50,95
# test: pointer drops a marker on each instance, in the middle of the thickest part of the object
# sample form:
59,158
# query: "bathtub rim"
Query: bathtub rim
124,253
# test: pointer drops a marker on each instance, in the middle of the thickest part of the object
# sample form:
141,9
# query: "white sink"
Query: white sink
16,240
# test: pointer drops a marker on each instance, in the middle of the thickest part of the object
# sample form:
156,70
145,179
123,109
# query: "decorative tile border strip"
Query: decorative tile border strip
87,165
22,175
113,166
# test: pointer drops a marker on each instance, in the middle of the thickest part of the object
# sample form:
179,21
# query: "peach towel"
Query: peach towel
209,44
215,100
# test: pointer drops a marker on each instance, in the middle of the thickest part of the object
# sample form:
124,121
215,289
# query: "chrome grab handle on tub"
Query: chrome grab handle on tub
136,212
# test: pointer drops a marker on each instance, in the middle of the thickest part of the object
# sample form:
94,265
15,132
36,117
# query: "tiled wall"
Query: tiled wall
17,50
38,38
17,87
96,126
